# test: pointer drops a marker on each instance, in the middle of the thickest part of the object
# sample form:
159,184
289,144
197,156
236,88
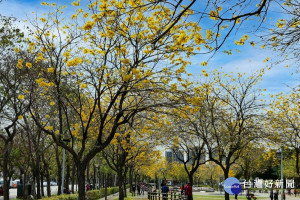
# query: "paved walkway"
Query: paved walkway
288,197
116,196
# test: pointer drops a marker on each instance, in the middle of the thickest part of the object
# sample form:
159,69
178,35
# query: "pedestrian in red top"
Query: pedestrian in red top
188,191
295,192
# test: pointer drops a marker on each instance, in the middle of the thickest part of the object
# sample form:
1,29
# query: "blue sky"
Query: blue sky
248,60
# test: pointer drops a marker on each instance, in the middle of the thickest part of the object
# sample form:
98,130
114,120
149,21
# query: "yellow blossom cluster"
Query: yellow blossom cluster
20,63
40,57
242,40
74,62
281,23
29,65
89,25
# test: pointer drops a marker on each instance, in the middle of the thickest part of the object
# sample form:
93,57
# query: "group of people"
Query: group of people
290,192
140,188
274,195
185,189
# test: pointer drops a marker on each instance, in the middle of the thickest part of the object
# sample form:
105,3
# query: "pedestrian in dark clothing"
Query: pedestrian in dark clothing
138,189
271,195
188,191
165,191
276,195
143,189
295,192
133,190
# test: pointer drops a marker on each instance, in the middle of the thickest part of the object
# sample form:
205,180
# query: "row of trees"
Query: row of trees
109,80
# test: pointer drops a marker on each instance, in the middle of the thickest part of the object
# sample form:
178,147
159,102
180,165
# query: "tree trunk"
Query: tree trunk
73,178
297,161
59,168
105,186
124,188
37,177
88,173
120,184
67,182
94,177
6,185
226,173
5,173
33,191
42,184
48,185
130,179
124,181
81,181
99,179
47,175
191,178
23,182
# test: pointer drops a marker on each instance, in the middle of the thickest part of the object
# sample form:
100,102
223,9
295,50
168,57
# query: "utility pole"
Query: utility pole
282,189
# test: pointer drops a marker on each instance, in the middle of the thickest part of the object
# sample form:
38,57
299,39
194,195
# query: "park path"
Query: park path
144,197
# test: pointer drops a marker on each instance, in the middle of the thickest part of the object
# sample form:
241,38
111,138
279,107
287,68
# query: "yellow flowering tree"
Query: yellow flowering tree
223,17
12,92
224,113
176,172
210,173
283,37
187,147
255,160
129,151
101,69
284,121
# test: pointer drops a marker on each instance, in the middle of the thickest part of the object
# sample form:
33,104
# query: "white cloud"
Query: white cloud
275,80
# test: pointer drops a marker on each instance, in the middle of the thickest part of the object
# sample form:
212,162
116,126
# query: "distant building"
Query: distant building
193,154
171,156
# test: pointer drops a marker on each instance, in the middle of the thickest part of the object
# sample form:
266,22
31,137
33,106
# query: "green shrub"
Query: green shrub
90,195
63,197
93,194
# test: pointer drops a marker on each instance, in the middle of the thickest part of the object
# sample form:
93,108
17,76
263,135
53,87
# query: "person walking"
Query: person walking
143,188
87,187
138,189
276,195
295,192
271,195
188,191
133,190
182,189
165,191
